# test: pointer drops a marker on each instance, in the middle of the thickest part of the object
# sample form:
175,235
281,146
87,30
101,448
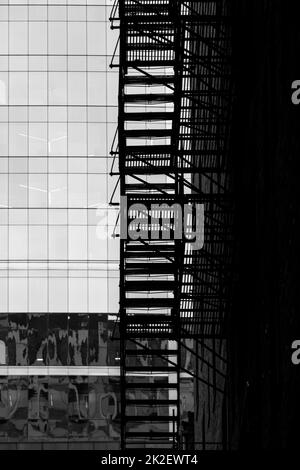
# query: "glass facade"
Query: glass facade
58,261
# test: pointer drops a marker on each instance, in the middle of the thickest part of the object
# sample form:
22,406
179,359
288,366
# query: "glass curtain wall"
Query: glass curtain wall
58,262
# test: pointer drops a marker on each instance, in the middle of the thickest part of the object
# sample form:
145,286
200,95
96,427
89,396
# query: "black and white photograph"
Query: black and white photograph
149,229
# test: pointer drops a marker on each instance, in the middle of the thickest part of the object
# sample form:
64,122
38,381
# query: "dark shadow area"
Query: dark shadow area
264,396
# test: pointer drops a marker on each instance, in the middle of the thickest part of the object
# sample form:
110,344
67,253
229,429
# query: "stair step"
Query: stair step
151,169
151,385
171,369
152,268
149,133
162,419
147,325
133,401
138,8
149,254
149,186
152,352
160,253
150,116
152,302
150,434
168,19
155,116
150,318
149,150
163,334
150,63
149,247
156,198
149,166
149,98
149,79
147,46
154,20
134,286
167,149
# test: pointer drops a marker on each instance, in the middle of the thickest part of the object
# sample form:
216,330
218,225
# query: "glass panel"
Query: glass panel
37,407
77,186
37,12
37,339
18,242
98,340
4,408
3,12
58,407
57,34
3,191
96,88
4,91
78,339
17,347
58,242
76,88
37,190
58,294
18,34
37,88
104,412
37,139
96,39
76,38
18,407
3,338
53,128
77,139
78,411
18,297
57,88
97,187
18,139
78,291
58,339
57,12
97,295
4,38
38,37
18,88
96,140
77,242
57,143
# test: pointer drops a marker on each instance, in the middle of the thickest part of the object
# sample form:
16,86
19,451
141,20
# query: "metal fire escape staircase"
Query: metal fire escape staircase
150,268
163,293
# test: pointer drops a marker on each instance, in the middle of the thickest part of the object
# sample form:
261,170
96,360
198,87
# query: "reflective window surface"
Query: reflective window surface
59,408
57,339
57,118
58,261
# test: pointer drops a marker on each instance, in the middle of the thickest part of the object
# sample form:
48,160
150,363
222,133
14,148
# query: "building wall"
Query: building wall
58,264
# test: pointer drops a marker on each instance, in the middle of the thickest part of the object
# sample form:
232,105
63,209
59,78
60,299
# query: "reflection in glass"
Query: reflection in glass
78,340
37,339
37,407
58,407
18,407
17,339
75,339
78,407
58,339
54,131
104,412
